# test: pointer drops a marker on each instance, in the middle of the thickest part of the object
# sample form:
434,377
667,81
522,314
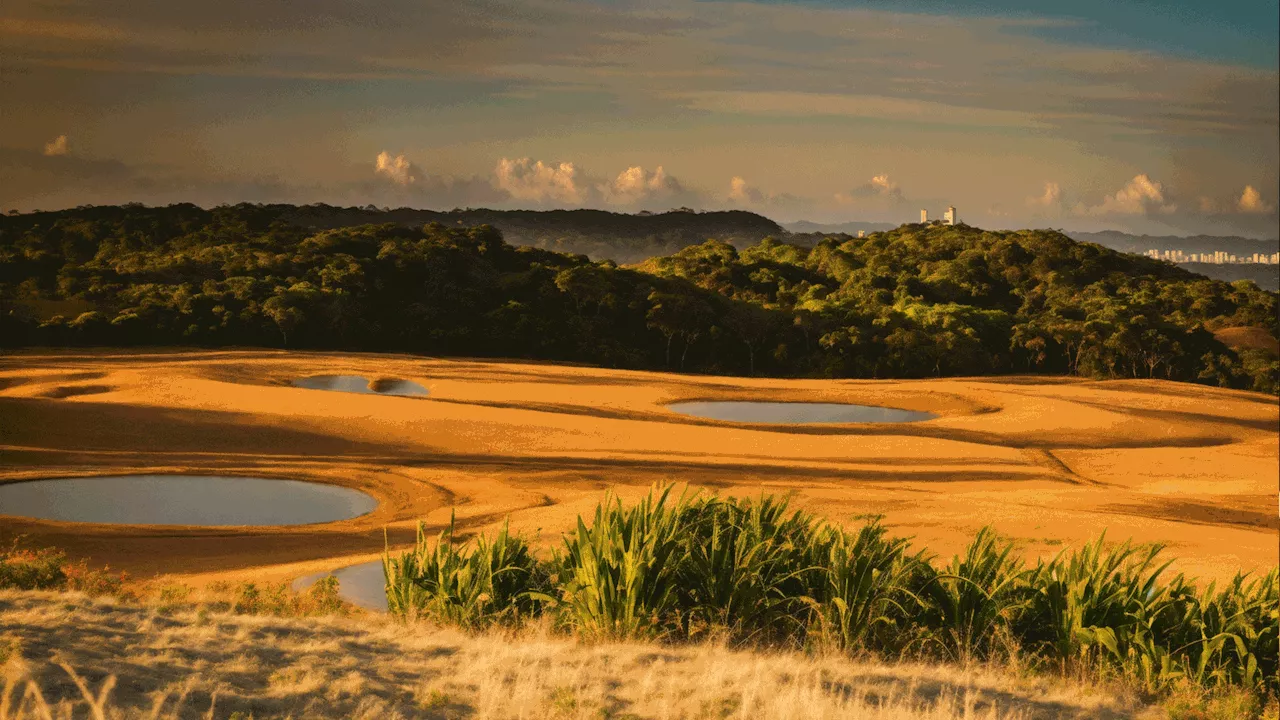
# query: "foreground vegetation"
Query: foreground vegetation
759,574
691,607
66,654
912,302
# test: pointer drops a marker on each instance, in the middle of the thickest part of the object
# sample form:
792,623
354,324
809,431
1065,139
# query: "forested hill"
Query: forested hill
598,234
912,302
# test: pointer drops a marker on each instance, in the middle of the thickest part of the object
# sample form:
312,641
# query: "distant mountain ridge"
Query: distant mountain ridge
1126,242
598,234
804,227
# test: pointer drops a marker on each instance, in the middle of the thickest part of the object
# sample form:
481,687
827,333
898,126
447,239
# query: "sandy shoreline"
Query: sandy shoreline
1047,460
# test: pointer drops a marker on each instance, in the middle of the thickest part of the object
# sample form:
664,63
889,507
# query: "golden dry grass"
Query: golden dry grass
136,662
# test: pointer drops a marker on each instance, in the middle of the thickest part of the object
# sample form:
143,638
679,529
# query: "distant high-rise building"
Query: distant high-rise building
862,233
924,217
950,216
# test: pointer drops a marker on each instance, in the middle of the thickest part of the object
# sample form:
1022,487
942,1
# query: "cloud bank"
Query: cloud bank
56,147
1139,196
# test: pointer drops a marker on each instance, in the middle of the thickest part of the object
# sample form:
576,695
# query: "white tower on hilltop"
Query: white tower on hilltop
950,217
924,217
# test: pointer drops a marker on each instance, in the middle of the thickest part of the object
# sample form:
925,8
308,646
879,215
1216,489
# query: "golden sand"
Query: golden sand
1049,461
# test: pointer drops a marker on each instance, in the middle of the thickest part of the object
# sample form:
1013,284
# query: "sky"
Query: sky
1137,115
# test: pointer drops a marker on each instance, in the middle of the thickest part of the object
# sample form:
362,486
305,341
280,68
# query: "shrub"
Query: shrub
974,600
24,569
747,568
620,575
470,587
865,588
1089,600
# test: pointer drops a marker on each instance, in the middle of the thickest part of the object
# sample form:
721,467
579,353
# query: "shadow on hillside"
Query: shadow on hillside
35,422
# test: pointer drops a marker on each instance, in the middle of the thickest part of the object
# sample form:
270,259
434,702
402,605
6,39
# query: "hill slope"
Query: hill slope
912,302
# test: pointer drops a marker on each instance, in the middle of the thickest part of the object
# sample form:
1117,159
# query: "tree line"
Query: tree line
917,301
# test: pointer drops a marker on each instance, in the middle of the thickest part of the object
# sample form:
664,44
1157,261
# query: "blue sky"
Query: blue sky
1232,31
1157,117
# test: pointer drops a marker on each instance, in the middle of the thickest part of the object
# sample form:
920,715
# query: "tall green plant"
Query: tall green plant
470,587
622,572
865,586
1229,637
747,568
1091,598
975,598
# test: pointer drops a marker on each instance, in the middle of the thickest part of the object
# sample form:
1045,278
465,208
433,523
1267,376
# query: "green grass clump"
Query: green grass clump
866,583
620,576
760,573
469,586
745,567
23,568
969,605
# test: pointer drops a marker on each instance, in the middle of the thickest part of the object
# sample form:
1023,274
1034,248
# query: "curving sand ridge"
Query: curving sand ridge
1047,460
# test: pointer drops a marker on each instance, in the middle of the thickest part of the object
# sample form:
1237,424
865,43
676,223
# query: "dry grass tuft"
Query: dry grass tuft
68,655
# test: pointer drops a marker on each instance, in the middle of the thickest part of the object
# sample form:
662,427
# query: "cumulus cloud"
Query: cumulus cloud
525,179
1251,201
879,186
57,146
398,169
1051,198
1140,196
636,185
742,193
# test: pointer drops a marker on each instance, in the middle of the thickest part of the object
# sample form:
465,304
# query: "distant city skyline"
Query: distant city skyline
1157,118
1219,257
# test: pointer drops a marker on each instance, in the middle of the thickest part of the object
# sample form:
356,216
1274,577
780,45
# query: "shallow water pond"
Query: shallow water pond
796,412
183,500
357,384
361,584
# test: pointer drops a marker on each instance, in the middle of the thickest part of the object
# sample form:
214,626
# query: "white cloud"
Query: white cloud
524,179
1251,201
1051,198
398,169
879,186
1140,196
743,194
57,146
636,185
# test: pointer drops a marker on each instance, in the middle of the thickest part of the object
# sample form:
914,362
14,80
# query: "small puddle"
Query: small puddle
362,584
183,500
779,413
357,384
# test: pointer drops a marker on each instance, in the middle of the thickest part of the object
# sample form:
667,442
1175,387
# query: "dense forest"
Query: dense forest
917,301
1263,275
